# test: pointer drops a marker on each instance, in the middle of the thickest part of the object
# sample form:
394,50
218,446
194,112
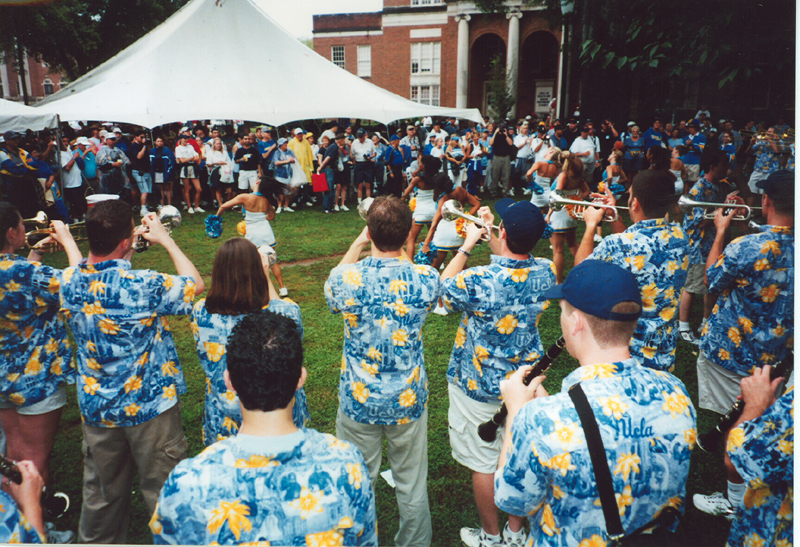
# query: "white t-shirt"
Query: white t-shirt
581,145
184,152
437,152
522,142
539,156
72,176
442,134
330,134
362,152
216,156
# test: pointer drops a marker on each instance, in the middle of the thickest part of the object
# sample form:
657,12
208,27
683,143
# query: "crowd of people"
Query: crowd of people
266,477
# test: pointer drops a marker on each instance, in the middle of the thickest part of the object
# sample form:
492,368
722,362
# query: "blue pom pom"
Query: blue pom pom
425,259
213,226
538,190
616,189
548,232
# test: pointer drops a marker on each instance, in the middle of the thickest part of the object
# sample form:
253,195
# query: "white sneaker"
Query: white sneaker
597,238
199,210
278,210
527,192
283,292
309,204
143,211
56,536
336,208
716,504
688,336
439,310
191,211
514,539
476,537
288,209
344,207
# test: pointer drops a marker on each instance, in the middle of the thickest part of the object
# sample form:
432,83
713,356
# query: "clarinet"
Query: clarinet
54,505
487,431
712,440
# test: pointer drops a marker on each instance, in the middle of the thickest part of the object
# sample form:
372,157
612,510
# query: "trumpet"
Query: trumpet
686,204
363,207
576,207
34,238
453,210
170,218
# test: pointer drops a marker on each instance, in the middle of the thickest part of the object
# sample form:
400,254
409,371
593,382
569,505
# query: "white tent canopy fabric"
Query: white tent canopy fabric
18,117
249,68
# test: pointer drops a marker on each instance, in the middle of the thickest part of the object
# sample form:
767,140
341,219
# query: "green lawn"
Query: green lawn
308,235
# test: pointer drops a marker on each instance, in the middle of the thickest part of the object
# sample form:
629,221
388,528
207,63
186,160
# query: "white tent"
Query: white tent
248,68
18,117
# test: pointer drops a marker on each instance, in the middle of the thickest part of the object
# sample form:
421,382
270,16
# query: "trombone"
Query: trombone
453,210
34,238
686,204
576,207
170,218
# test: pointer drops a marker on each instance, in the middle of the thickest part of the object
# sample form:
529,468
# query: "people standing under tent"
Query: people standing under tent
162,162
305,161
247,158
571,184
362,153
233,294
284,161
383,391
72,180
89,169
395,159
217,160
443,235
455,157
139,154
187,160
379,163
259,210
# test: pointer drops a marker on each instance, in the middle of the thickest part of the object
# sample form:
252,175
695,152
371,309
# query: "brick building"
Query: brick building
40,80
439,53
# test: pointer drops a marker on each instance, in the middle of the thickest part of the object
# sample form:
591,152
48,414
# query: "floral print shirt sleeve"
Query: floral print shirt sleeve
14,527
384,302
701,233
35,356
762,450
128,367
648,426
221,413
752,323
502,304
316,494
657,254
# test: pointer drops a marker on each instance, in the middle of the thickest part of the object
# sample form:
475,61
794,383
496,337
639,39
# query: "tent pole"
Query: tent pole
58,156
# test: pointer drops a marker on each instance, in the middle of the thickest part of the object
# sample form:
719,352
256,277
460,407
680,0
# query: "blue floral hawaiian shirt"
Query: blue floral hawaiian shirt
384,302
657,254
701,233
762,450
752,323
127,362
221,414
648,426
14,527
766,158
316,493
35,357
502,304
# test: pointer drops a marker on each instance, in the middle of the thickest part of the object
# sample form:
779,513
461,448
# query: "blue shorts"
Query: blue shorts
143,181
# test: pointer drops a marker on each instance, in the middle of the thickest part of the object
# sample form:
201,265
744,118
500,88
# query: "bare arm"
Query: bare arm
238,200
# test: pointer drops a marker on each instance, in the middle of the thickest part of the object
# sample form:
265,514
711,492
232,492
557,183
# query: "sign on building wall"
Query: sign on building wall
544,94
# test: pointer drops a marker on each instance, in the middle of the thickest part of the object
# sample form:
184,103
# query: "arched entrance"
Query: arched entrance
485,48
538,73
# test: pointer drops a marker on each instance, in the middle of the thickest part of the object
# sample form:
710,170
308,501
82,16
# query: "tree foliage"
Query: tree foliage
75,36
501,97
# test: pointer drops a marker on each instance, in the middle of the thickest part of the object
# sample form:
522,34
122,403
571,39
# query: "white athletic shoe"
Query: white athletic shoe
514,539
716,504
309,204
199,210
56,536
283,292
688,336
191,210
336,208
527,192
439,310
344,207
597,238
288,209
476,537
278,210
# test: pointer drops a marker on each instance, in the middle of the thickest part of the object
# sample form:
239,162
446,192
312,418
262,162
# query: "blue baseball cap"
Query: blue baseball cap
595,287
779,184
395,138
522,220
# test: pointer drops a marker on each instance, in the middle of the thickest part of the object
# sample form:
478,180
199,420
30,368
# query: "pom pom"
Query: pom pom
242,228
412,204
425,259
213,226
548,232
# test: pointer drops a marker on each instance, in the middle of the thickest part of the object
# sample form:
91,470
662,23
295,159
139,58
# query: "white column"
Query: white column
512,58
462,62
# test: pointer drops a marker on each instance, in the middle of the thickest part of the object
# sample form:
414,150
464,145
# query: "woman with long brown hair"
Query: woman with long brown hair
571,185
239,285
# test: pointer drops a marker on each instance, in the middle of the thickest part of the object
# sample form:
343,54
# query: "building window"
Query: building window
48,87
337,56
425,94
426,57
364,61
426,2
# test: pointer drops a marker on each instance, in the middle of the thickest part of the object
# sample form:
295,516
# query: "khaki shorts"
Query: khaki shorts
695,279
464,416
54,402
692,173
717,387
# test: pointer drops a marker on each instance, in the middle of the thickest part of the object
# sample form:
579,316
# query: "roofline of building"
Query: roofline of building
347,29
414,9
